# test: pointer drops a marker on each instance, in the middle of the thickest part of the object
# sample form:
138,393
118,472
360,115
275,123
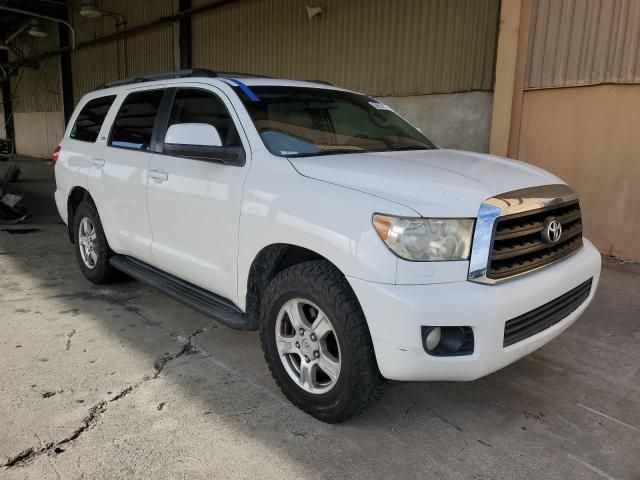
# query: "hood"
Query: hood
434,183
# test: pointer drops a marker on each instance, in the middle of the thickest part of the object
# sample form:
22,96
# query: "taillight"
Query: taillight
56,154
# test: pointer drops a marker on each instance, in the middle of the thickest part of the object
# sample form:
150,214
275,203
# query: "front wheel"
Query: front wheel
317,344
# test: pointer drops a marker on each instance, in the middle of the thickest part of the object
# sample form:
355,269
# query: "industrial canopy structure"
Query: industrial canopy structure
550,82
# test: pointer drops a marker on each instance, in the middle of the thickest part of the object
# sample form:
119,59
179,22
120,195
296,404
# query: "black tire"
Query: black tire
102,272
359,383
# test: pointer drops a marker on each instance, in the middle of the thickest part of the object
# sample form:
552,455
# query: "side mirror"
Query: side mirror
200,141
201,134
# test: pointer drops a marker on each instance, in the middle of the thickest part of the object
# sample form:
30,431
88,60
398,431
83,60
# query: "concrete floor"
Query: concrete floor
121,382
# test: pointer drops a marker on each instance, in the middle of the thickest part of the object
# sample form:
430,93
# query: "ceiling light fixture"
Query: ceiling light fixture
44,17
313,11
89,10
36,30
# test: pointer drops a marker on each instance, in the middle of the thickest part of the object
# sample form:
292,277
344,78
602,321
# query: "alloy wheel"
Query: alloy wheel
87,241
308,346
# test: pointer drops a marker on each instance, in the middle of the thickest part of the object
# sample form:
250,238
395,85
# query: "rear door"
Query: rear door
194,205
118,174
79,146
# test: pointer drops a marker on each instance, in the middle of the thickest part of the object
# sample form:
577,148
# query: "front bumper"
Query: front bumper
395,314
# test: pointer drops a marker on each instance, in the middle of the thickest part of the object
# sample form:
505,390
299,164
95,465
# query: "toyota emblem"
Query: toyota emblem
552,231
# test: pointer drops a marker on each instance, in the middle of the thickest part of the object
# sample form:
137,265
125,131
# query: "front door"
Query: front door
194,205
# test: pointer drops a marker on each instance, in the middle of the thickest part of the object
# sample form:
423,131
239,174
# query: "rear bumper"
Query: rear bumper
396,313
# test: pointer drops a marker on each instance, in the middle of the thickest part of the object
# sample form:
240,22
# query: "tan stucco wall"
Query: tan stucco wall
38,133
590,137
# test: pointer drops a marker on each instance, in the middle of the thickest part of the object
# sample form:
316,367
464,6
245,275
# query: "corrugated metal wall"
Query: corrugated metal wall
38,89
381,47
583,42
138,53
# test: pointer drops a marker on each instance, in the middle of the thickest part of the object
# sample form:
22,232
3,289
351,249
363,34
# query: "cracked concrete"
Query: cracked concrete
71,334
91,418
143,387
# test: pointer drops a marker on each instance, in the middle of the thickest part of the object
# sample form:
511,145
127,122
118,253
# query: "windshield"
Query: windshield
303,122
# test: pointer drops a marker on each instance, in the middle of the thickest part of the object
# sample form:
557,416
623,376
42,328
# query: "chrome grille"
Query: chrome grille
508,238
518,244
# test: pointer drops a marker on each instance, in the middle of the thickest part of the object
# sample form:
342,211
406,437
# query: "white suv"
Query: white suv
359,249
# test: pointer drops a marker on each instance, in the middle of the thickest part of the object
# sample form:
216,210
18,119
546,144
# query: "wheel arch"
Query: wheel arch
76,195
269,261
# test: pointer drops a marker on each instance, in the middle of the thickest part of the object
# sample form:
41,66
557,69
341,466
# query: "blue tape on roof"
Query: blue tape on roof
247,91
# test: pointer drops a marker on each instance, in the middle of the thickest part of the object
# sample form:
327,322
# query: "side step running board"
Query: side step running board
208,303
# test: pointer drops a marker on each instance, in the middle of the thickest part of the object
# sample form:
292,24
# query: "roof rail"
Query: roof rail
192,72
323,82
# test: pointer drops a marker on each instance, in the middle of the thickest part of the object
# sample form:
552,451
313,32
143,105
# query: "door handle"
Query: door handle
159,175
97,162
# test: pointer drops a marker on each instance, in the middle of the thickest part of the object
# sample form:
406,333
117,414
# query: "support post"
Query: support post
185,35
7,105
506,62
66,74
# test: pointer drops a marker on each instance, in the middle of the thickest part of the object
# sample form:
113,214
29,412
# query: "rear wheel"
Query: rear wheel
92,249
317,343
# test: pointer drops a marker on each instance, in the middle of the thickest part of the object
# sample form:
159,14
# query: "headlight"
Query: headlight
426,239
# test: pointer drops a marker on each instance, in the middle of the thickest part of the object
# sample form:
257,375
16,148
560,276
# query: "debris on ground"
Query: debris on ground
10,212
11,199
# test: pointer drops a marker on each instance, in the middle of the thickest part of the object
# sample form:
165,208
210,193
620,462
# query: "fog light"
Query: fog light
451,341
433,338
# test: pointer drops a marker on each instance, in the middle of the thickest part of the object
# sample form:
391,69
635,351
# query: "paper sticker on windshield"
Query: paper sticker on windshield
379,106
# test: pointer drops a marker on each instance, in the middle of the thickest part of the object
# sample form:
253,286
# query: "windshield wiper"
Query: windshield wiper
410,147
331,151
339,151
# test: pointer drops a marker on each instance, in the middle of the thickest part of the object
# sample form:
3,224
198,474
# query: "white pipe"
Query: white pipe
45,17
16,33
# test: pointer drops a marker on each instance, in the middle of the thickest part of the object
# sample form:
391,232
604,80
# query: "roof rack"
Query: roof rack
192,72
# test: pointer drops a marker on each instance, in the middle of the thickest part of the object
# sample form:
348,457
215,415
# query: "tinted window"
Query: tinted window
299,121
91,118
200,106
133,126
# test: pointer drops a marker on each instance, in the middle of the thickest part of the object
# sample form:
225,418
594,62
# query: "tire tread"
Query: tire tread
103,272
329,283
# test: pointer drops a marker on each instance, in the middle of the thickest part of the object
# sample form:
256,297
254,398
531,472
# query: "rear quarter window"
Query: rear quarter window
90,119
